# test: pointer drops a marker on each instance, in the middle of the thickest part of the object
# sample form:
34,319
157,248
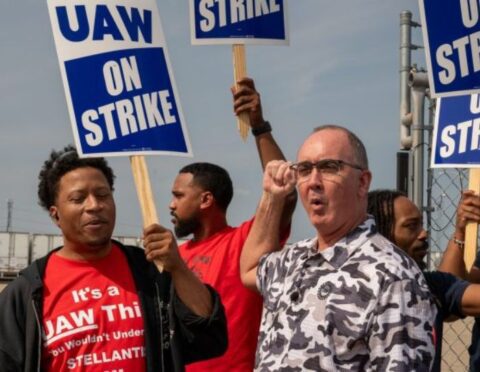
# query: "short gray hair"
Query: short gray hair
357,145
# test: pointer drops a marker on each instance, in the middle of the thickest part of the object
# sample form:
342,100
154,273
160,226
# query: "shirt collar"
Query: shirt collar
338,253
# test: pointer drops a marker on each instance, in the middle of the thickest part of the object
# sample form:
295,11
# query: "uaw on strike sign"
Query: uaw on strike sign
120,91
456,136
451,33
238,22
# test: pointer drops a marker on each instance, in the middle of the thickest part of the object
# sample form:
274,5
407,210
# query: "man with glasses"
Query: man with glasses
347,299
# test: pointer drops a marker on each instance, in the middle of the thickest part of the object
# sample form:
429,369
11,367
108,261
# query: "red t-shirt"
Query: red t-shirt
216,261
92,319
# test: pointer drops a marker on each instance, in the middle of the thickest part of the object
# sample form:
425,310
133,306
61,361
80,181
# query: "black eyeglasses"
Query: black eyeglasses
325,167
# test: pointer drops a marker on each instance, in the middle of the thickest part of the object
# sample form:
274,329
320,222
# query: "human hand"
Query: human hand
279,179
247,99
468,210
161,248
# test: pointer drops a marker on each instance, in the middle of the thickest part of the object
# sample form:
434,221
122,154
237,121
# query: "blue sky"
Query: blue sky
342,66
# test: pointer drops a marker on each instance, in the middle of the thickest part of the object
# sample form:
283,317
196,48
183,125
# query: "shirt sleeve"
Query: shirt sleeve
402,331
448,290
271,271
201,338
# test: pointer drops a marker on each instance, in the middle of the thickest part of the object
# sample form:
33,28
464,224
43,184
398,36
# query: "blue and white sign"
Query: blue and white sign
456,136
238,22
118,81
451,34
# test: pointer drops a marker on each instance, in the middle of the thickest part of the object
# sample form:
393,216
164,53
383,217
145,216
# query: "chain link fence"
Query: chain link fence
443,194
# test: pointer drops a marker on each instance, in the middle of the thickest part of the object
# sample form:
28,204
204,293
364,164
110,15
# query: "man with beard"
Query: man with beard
400,221
201,194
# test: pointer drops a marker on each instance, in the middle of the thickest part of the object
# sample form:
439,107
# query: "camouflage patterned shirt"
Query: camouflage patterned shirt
360,305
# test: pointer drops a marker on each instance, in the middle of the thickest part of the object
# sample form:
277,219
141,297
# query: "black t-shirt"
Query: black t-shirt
448,292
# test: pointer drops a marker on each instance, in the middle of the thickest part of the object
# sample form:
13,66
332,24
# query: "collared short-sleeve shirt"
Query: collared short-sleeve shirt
360,305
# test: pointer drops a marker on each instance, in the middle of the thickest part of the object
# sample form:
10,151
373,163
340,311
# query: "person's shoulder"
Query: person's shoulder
436,276
131,249
133,253
16,290
292,250
389,259
441,283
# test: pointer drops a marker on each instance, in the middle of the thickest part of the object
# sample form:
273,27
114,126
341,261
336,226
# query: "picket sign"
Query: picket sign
118,81
145,194
239,72
236,23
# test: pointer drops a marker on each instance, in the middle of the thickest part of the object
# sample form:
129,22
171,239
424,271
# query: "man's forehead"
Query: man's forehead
184,181
404,208
325,143
82,174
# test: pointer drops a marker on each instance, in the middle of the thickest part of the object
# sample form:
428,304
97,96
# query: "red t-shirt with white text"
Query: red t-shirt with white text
92,320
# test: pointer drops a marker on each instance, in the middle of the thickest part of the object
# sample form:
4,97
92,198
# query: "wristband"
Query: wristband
459,243
265,127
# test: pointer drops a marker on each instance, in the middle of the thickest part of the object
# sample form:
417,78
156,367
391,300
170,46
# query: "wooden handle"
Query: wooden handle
144,192
240,71
471,231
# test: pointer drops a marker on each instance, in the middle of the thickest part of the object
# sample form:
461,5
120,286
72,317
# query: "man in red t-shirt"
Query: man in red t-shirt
201,195
97,305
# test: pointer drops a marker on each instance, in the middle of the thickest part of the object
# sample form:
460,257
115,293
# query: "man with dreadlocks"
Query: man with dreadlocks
400,221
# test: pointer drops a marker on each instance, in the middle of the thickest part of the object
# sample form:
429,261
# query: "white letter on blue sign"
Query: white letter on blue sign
463,128
237,11
126,118
449,148
447,75
475,134
115,75
469,10
113,78
94,138
475,104
461,45
274,7
208,23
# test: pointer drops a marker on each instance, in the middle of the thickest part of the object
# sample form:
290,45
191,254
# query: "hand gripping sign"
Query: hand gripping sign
238,22
451,33
120,91
456,144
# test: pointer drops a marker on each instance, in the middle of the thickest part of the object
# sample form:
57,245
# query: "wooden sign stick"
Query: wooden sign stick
471,231
240,71
144,192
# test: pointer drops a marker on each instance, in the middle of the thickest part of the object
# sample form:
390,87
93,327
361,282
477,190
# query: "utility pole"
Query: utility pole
9,214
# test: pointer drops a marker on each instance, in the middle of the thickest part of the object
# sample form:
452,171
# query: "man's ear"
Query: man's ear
54,214
364,184
206,200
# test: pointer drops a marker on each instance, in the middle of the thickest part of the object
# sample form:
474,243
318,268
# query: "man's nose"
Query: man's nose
423,234
315,178
93,202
